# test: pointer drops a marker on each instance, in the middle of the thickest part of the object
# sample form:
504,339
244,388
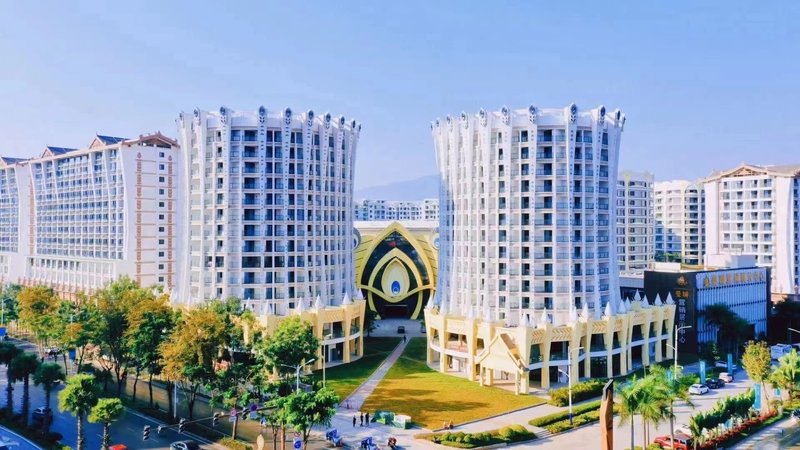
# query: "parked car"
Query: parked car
184,445
682,442
726,377
401,330
118,447
42,415
698,389
796,414
715,383
724,365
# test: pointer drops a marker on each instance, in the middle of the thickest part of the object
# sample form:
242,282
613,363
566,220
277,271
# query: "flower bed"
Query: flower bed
505,435
739,432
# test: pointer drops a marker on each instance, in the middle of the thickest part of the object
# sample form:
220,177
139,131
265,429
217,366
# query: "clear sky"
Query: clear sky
705,85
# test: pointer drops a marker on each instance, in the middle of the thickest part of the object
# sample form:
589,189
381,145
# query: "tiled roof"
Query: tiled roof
108,140
59,150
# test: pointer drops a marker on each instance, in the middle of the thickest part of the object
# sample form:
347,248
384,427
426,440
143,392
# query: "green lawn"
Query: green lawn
344,379
431,398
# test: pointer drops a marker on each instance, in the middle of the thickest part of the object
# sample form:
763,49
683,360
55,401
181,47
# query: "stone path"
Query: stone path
357,398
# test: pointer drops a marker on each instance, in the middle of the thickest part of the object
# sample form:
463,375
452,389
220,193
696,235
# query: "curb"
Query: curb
489,417
158,422
31,443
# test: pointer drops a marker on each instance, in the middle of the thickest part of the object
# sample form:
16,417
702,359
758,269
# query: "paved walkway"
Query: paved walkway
774,437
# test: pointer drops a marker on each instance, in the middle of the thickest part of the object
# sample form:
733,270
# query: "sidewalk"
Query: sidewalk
774,437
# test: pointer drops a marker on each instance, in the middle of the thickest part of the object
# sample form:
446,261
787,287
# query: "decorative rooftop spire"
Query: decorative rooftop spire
608,311
573,315
318,302
300,305
346,300
658,301
543,319
636,296
585,310
670,301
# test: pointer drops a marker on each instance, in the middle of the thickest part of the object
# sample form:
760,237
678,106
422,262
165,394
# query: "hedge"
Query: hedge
509,434
580,391
555,417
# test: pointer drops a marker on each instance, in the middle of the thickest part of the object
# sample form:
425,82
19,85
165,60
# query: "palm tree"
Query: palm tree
48,375
732,330
654,406
21,368
787,375
7,353
677,389
78,397
106,411
629,400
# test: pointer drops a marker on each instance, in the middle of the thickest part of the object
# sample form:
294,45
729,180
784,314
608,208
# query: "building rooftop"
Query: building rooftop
745,170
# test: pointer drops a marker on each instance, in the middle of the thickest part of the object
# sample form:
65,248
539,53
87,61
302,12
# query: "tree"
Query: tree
291,344
149,327
48,375
192,350
732,330
37,311
78,397
114,302
677,389
787,375
370,320
8,352
276,417
629,400
654,406
757,362
106,411
9,308
78,325
21,368
305,410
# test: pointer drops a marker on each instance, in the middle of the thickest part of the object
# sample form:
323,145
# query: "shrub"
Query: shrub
234,444
507,433
552,418
580,391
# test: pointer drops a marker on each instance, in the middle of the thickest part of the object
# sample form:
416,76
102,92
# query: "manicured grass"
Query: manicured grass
346,378
432,398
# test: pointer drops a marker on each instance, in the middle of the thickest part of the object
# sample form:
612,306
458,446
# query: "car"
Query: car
796,414
682,442
118,447
724,365
726,377
42,415
401,330
698,389
683,429
184,445
715,383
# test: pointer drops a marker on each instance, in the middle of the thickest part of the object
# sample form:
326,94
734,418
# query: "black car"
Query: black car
184,445
401,329
715,383
42,415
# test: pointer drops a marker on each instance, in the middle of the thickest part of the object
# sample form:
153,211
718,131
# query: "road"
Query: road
588,437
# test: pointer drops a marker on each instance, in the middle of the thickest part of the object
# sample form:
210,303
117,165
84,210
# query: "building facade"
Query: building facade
635,221
527,212
372,210
269,215
85,217
753,210
679,221
745,290
396,266
527,209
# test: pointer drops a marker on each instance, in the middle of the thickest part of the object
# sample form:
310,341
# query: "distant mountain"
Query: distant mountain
417,189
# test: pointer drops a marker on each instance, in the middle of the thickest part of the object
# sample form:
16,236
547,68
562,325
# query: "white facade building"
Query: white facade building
269,218
370,210
680,221
635,222
85,217
527,211
753,210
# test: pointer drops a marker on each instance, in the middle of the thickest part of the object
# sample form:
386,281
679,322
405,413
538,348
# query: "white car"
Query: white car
698,389
683,429
726,377
724,365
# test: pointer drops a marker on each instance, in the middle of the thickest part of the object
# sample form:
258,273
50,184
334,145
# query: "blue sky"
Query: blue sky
705,85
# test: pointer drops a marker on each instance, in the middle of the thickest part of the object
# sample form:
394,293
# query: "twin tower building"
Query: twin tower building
259,205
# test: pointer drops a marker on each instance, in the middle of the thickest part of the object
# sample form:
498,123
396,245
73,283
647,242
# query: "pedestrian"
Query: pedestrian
354,421
404,338
361,423
366,418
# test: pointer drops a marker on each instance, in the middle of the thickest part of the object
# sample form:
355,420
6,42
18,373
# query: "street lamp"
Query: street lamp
675,348
325,355
790,338
297,372
569,379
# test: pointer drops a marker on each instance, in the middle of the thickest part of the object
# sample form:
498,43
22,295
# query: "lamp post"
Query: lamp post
569,379
325,355
297,372
675,348
790,334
